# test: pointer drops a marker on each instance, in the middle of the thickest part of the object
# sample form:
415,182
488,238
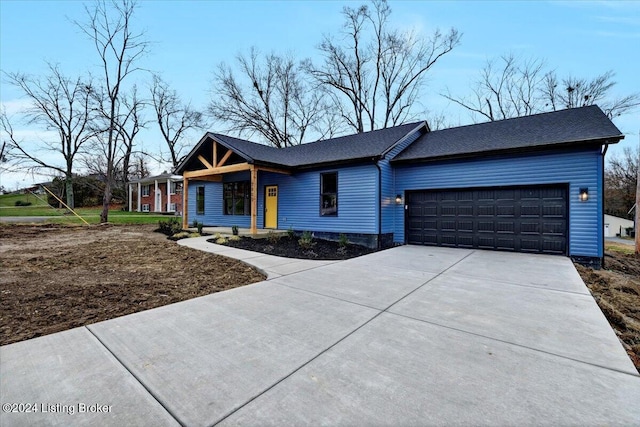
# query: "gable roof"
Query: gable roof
349,148
557,128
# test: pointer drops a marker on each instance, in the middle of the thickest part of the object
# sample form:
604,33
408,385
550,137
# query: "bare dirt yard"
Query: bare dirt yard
616,289
59,277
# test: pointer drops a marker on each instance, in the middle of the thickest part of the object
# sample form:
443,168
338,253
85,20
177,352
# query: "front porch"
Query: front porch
209,163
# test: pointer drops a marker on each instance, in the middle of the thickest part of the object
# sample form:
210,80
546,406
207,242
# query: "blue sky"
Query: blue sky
191,37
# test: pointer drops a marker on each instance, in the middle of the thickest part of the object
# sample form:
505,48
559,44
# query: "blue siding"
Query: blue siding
299,200
579,168
388,193
213,203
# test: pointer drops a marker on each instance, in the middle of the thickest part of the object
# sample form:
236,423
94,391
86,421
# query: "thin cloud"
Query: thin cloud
618,34
625,20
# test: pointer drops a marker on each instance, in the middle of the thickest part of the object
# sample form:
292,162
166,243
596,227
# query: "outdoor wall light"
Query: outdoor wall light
584,194
399,198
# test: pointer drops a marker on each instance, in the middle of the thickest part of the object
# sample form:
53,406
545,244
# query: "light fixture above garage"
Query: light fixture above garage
584,194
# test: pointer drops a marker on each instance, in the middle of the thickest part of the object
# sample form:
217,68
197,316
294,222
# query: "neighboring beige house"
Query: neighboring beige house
614,226
160,193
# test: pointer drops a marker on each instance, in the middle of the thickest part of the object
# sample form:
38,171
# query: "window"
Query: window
200,201
175,187
172,207
237,198
329,194
145,208
146,189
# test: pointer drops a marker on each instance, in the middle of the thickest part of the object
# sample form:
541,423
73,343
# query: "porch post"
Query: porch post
130,188
254,200
168,194
156,208
185,203
139,197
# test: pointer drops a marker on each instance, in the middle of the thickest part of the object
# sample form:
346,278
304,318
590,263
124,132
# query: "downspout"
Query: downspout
379,205
604,152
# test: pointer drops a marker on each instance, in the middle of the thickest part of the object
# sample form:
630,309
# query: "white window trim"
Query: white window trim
146,207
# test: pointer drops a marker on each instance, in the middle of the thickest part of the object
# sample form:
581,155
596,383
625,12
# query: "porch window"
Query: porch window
237,198
329,194
146,189
200,201
145,207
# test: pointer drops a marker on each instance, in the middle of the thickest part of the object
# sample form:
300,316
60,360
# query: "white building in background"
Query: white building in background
616,226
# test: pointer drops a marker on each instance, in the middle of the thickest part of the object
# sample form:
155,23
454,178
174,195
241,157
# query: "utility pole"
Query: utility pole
637,222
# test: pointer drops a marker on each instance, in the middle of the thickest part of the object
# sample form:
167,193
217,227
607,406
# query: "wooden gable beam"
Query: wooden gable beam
215,153
225,158
217,171
205,163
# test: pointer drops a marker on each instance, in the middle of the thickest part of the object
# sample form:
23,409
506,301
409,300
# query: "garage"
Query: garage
532,219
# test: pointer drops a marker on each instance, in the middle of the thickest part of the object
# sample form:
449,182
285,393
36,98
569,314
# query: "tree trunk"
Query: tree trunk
106,201
69,190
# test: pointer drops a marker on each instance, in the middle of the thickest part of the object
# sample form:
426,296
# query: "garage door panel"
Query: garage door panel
522,219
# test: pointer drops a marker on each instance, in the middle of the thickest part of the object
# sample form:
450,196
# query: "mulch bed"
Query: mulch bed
289,247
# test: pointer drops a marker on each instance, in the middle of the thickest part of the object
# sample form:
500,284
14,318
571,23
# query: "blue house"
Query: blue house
529,184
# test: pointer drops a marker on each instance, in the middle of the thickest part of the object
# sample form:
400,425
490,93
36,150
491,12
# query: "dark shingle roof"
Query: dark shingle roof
366,145
574,125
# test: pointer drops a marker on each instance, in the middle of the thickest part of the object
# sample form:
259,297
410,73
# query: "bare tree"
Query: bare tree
174,118
119,49
128,123
580,92
507,87
621,175
513,87
271,99
59,104
375,74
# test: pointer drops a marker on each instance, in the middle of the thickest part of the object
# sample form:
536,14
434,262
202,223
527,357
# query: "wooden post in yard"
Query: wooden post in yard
254,200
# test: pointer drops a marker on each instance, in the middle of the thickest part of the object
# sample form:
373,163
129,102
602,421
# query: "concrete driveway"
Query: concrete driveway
407,336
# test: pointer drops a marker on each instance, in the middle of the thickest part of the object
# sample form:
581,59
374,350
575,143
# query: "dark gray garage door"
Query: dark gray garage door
521,219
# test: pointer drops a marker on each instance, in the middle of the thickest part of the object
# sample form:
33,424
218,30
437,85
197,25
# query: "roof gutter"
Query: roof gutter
515,150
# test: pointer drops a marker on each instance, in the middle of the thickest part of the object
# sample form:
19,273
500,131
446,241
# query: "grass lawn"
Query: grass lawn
62,216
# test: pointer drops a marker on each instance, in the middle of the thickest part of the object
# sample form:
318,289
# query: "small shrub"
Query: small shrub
22,203
199,226
194,235
234,230
290,233
343,241
234,238
273,238
194,224
221,241
306,241
170,226
217,236
181,235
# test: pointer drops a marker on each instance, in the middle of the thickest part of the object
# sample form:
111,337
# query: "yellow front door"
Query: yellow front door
271,206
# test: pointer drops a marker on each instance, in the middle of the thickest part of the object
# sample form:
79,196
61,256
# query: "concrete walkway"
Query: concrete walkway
407,336
271,266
